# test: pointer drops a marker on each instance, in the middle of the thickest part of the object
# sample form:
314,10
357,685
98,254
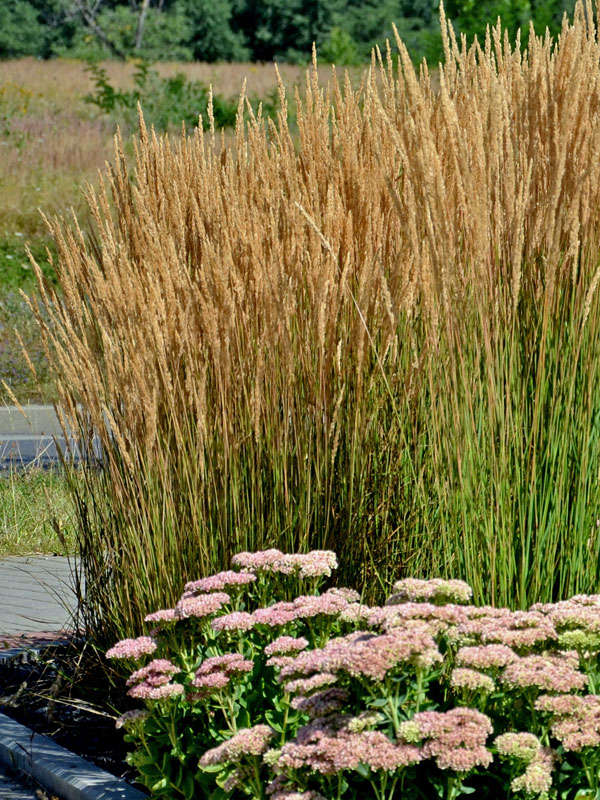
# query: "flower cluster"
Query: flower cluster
202,605
132,648
328,745
248,741
317,563
434,591
367,654
539,761
218,582
550,672
575,721
455,738
351,683
331,603
153,682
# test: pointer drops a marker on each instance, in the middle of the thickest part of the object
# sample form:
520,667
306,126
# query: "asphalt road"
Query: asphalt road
33,438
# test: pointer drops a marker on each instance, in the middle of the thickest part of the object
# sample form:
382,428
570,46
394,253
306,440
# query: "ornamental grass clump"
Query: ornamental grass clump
376,333
321,696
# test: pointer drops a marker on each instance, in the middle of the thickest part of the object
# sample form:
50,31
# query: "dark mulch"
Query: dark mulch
51,693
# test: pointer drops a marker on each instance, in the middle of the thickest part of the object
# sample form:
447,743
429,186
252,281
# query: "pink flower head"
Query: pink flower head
130,718
143,691
486,656
575,720
201,605
517,629
236,621
229,663
455,738
212,680
368,654
156,673
306,685
321,703
219,581
285,645
549,672
153,682
248,741
132,648
318,563
436,591
327,745
522,746
472,679
163,615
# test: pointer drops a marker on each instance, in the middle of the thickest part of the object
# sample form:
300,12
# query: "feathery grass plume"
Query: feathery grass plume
378,336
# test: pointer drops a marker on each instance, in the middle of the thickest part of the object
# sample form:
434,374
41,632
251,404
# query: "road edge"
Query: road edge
56,769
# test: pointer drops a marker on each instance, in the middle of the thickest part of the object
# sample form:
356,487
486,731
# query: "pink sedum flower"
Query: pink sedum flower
317,563
321,703
548,672
145,692
229,663
156,673
575,720
163,615
153,682
131,718
201,605
236,621
434,591
248,741
455,738
463,678
285,645
220,581
132,648
326,745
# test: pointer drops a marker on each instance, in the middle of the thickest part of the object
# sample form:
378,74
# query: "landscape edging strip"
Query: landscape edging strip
56,769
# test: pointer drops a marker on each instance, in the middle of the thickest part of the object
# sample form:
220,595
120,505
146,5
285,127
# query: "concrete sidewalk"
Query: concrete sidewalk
37,599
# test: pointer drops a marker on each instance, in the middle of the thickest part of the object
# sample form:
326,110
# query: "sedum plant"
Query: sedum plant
257,684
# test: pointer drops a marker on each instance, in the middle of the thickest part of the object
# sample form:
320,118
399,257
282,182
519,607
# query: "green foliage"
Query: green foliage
21,31
237,30
339,48
166,101
211,35
165,36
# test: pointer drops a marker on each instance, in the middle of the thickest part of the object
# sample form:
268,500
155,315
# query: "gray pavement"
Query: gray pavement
32,437
37,594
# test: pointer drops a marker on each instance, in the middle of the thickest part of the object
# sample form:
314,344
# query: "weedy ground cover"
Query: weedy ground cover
380,338
255,684
36,513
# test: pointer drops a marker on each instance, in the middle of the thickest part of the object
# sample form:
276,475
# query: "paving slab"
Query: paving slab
37,594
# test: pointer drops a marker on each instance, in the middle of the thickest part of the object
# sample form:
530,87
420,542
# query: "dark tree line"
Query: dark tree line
243,30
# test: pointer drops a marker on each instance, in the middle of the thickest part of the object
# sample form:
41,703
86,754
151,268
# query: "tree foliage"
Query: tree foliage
344,31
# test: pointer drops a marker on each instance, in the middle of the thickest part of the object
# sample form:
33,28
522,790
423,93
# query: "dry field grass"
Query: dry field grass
52,141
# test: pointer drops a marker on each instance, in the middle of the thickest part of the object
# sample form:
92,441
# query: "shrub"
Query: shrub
379,337
321,696
167,102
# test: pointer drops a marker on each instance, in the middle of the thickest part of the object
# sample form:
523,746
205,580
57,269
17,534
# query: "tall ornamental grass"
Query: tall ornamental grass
379,337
